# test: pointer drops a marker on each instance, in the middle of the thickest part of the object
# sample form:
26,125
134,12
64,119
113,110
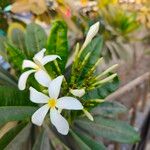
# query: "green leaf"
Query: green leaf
54,139
121,50
10,136
10,96
35,39
2,47
92,143
7,79
79,142
57,42
94,48
42,142
16,36
21,138
15,113
16,56
111,129
103,91
109,109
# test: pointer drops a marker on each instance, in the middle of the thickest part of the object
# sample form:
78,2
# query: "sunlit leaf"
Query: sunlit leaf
58,43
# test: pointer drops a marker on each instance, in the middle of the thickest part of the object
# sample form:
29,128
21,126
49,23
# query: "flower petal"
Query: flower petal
38,97
49,58
54,87
70,103
39,115
77,92
43,78
91,33
29,64
39,56
59,121
23,79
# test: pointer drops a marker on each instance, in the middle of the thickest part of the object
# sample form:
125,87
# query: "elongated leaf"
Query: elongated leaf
120,50
35,39
111,129
10,96
16,56
2,47
15,113
109,109
94,48
54,140
93,144
103,91
10,135
6,78
16,35
20,139
42,142
58,43
80,143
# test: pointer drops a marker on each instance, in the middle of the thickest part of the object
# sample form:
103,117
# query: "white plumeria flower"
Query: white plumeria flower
37,65
77,92
91,33
53,103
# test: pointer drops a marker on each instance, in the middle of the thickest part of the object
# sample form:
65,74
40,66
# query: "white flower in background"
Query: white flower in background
37,65
77,92
53,103
91,33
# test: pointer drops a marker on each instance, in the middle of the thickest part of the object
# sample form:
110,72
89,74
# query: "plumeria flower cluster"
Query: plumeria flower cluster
51,102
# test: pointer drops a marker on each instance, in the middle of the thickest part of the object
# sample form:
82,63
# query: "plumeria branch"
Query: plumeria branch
72,93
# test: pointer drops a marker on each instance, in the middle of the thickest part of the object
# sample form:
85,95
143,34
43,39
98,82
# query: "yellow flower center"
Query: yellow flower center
38,68
52,103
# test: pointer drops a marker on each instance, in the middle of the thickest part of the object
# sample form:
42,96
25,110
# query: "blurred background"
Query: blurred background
125,27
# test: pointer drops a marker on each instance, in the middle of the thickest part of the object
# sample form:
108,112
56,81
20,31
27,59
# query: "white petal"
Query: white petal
54,87
23,79
39,115
39,56
91,33
59,122
43,78
38,97
29,64
69,103
77,92
49,58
